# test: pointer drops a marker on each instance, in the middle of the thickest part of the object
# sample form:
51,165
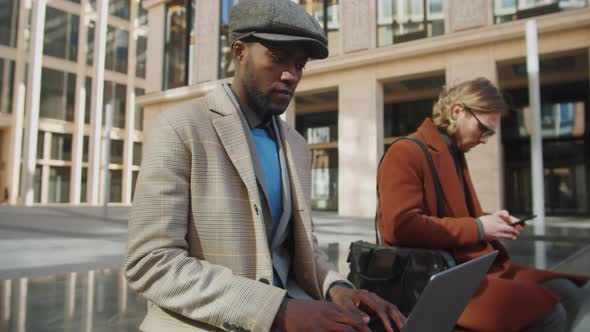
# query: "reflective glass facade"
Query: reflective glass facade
58,93
117,50
6,85
510,10
566,149
59,96
61,34
178,41
61,147
116,186
320,129
59,184
326,12
405,20
140,56
8,22
114,95
226,66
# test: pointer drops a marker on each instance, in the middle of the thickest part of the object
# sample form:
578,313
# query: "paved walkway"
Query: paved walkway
53,240
41,246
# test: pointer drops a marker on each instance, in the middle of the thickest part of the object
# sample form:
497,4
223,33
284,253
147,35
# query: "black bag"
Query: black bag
398,274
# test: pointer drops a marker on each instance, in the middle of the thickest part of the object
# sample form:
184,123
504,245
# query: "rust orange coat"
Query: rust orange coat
510,296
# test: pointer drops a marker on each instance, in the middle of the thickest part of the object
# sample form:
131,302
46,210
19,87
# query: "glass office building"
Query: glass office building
68,96
389,60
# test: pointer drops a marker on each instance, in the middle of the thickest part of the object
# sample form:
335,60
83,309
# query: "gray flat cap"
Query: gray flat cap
278,21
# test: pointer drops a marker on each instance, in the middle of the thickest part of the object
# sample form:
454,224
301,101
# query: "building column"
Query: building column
79,108
18,108
96,104
126,175
88,303
33,99
358,25
5,303
463,15
360,145
155,46
206,56
44,197
485,161
20,322
122,295
70,301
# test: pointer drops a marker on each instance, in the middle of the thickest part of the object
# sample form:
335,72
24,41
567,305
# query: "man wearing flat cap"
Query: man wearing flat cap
220,232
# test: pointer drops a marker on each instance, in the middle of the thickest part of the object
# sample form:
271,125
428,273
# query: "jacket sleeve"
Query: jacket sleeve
404,216
157,263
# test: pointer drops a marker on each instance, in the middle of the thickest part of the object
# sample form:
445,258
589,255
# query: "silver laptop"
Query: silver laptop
445,296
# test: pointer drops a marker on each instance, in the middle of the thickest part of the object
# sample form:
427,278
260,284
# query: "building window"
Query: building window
320,129
58,93
119,8
61,147
6,84
40,144
115,95
510,10
59,184
326,13
85,147
226,65
138,110
140,56
117,50
87,99
8,22
564,114
401,119
116,151
116,186
405,20
61,34
407,103
90,43
83,184
142,14
37,184
178,43
136,153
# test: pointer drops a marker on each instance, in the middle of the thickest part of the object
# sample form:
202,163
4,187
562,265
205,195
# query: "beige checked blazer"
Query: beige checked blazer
197,247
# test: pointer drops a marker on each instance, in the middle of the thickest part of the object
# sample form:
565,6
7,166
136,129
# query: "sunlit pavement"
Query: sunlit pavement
60,265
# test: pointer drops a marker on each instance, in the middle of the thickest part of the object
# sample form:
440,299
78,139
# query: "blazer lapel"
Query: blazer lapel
231,131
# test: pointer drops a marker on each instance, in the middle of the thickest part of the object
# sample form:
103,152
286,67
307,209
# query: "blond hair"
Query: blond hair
478,95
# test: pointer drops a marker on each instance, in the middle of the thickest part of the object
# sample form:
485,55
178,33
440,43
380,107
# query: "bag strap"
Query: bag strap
440,207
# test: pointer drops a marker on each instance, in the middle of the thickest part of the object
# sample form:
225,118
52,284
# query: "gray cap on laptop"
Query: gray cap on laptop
279,21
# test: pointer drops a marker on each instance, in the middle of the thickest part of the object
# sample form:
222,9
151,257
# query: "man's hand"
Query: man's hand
497,226
309,315
367,303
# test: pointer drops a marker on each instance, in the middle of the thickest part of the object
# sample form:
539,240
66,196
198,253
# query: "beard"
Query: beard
261,101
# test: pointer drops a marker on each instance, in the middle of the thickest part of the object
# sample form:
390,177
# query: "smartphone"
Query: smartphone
522,220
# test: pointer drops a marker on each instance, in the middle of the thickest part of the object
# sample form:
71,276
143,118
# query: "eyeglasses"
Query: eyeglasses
485,130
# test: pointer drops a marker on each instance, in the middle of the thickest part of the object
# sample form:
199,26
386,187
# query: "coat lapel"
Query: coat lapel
445,166
231,131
